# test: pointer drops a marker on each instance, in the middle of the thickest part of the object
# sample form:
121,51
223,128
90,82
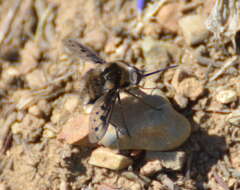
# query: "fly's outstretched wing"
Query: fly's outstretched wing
79,50
101,115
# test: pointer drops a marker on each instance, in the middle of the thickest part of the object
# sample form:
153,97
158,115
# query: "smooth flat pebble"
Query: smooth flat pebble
149,129
107,158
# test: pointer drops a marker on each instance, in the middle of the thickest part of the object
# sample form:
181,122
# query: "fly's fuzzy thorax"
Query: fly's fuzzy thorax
130,75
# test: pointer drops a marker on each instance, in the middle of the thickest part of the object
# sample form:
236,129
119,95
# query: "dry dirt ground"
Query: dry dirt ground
36,78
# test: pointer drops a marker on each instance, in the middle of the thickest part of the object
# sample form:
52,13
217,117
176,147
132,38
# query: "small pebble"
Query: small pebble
36,79
107,158
56,116
64,185
8,73
193,29
49,134
182,101
157,185
75,130
45,107
20,115
231,182
23,99
30,128
151,167
4,186
34,110
191,88
234,118
235,160
226,96
16,128
71,103
170,160
30,55
106,187
155,54
166,181
168,17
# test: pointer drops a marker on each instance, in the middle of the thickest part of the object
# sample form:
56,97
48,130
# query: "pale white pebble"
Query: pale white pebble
56,117
231,182
9,73
36,79
234,118
34,110
63,185
49,130
71,103
136,186
107,158
226,96
16,128
49,134
151,168
20,115
181,100
3,186
23,99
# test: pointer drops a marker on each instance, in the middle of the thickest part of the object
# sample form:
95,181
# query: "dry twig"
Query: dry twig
6,24
228,64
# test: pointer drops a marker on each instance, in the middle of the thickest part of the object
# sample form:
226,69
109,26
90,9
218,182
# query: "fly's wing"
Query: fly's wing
101,115
79,50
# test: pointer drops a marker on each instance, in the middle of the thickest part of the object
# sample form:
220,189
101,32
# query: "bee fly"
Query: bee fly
102,85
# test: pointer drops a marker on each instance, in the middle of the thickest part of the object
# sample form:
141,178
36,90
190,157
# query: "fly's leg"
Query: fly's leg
117,135
122,114
142,101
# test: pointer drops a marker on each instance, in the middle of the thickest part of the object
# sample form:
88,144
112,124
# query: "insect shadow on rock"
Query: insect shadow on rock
102,86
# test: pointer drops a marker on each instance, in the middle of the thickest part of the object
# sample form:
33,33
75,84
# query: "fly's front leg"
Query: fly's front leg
142,101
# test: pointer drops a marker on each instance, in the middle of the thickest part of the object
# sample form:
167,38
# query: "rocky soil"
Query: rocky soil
44,129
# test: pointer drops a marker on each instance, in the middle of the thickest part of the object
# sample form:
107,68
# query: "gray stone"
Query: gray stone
149,129
170,160
156,161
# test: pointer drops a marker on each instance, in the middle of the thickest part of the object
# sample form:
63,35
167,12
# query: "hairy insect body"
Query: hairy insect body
110,76
102,86
91,86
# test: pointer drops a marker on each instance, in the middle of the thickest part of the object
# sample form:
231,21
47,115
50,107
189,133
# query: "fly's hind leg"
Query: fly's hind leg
123,117
117,135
